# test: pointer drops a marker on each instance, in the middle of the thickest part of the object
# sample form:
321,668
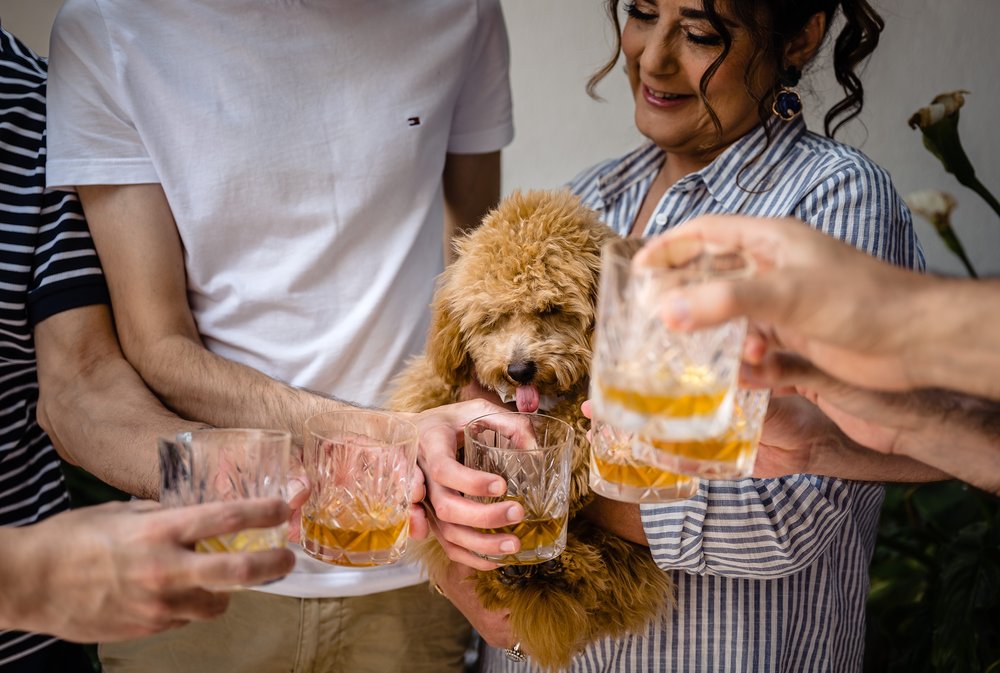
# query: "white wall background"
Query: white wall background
929,46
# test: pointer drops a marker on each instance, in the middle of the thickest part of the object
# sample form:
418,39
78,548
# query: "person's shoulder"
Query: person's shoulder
82,18
590,176
20,66
829,157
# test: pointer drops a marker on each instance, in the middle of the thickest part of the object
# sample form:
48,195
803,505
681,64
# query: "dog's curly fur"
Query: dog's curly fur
523,289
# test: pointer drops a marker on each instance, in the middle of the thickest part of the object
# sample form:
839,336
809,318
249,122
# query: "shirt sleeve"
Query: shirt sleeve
66,271
483,120
92,138
857,203
768,528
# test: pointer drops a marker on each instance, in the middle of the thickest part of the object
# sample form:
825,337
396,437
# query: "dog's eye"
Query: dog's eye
550,311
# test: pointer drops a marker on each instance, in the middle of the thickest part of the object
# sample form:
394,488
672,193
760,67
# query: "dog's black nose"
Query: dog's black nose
522,372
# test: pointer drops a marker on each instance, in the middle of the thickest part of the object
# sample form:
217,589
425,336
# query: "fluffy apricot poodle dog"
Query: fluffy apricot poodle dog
516,310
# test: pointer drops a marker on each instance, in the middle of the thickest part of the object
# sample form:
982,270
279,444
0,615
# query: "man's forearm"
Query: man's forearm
13,569
845,459
203,386
107,422
955,339
94,406
962,439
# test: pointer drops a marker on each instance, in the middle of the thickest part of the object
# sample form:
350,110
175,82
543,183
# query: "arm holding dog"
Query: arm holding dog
471,189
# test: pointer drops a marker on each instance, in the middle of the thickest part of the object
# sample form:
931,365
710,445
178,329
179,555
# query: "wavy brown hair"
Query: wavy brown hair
771,25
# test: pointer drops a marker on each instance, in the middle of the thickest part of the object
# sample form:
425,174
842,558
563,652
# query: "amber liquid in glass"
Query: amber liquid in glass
727,448
255,539
681,404
633,474
533,533
381,536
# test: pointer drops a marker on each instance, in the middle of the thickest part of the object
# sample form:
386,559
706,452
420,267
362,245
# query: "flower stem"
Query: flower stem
975,185
947,235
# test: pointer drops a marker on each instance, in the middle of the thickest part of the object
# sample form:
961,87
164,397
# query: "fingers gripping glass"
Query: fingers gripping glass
651,380
226,465
532,453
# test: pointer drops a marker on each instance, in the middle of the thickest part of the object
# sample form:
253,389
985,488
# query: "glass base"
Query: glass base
252,539
727,470
527,557
359,559
684,488
617,474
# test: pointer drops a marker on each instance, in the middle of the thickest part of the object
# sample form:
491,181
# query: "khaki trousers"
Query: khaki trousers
412,630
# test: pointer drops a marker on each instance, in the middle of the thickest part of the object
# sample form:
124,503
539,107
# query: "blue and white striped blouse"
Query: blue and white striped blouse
771,574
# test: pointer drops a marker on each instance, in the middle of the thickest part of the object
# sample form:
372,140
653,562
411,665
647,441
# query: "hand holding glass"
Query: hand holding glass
223,465
647,379
534,459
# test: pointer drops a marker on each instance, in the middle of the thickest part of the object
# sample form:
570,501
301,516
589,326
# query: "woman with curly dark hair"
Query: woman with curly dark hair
770,572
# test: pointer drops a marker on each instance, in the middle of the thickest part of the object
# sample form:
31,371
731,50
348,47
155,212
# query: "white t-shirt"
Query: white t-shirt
301,148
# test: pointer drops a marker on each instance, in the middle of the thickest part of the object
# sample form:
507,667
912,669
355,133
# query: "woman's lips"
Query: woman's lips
663,100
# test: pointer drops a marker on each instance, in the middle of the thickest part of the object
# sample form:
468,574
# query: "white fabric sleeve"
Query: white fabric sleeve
92,138
483,119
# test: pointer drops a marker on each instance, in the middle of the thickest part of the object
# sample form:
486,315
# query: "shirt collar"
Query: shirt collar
719,176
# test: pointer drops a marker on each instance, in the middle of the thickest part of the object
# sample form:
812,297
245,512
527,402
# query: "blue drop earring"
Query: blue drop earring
787,105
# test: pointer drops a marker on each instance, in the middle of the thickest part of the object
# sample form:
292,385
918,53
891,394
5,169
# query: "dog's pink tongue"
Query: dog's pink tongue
527,399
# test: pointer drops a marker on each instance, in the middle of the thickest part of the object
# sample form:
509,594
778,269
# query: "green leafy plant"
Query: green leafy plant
934,604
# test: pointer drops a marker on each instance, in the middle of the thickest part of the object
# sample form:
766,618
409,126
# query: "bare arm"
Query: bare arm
916,436
95,408
621,518
957,348
863,321
798,438
140,249
471,189
962,437
137,240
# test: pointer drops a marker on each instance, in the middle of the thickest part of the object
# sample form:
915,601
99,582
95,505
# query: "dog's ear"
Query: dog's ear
445,349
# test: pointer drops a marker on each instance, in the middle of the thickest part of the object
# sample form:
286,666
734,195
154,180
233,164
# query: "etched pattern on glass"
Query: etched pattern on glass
238,465
225,465
730,455
617,474
647,379
361,468
537,474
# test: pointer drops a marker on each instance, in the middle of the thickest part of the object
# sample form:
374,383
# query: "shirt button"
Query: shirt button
661,219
